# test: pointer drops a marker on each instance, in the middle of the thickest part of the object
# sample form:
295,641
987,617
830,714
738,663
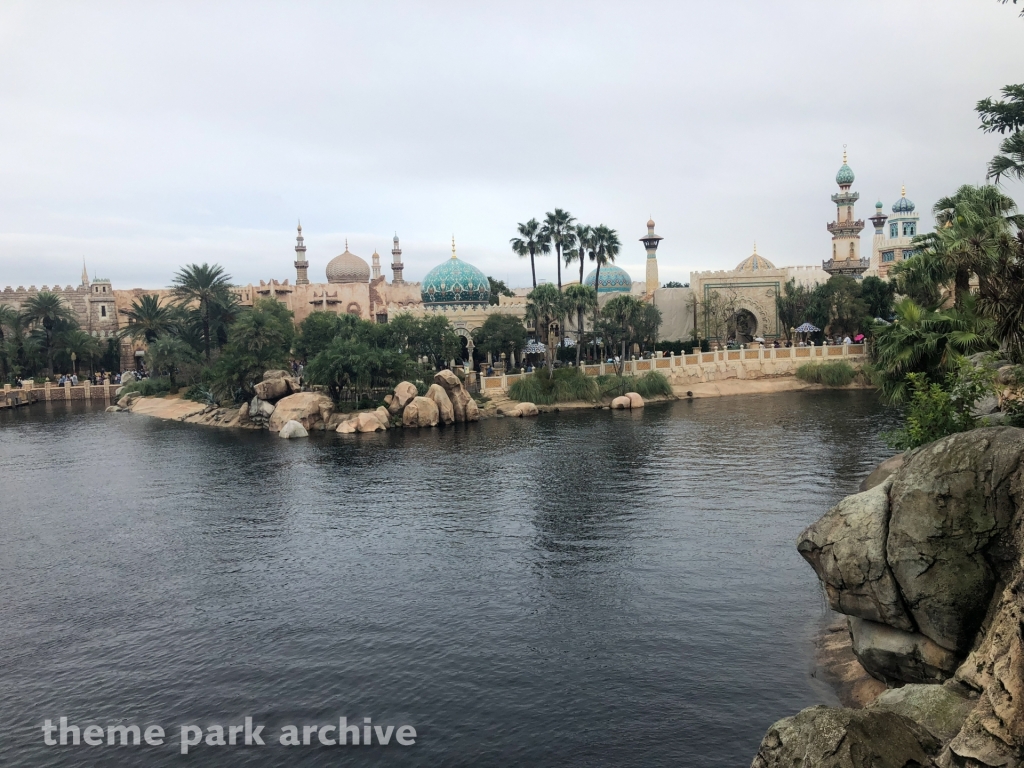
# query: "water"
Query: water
589,588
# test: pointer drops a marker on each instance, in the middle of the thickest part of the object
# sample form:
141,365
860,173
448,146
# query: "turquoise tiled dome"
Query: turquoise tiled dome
845,175
903,205
613,279
455,282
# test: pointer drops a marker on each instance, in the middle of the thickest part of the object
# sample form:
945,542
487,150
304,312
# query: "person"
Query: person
490,370
61,380
847,340
74,379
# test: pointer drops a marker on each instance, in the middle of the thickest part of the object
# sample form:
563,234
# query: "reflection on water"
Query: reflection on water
583,588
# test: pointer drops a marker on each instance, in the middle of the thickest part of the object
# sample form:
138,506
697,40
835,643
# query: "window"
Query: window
908,229
104,289
103,311
888,255
894,230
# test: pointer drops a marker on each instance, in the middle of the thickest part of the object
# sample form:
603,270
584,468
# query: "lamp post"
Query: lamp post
74,364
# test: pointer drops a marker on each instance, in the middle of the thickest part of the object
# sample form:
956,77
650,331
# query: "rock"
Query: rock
472,410
112,409
272,389
986,405
243,414
991,360
621,403
895,656
994,419
1009,375
260,409
881,472
128,377
421,412
463,404
384,416
276,374
347,427
635,401
942,709
827,737
118,391
846,548
404,394
527,409
291,429
127,400
367,421
307,408
445,409
950,502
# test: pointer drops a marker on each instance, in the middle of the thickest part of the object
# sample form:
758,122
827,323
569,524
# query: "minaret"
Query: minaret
85,273
878,240
650,242
301,265
375,265
396,263
845,229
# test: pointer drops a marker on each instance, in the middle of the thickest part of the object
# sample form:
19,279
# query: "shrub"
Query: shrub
199,394
563,386
149,387
651,384
837,373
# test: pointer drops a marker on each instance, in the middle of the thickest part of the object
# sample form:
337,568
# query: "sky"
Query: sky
141,137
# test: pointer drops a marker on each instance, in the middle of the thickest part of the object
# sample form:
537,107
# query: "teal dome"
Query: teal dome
455,282
613,280
845,175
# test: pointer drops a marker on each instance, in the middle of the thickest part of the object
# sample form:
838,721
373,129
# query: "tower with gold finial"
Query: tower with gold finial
846,228
396,262
650,241
301,265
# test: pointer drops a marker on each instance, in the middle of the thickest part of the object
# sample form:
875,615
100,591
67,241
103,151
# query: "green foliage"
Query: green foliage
157,387
172,356
498,289
564,385
792,306
259,340
627,320
355,366
879,295
836,373
50,315
650,384
200,394
530,243
148,319
1005,117
318,330
500,333
675,284
204,297
939,409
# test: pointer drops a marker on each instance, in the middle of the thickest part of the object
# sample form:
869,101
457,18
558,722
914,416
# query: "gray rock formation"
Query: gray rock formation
942,709
895,656
292,429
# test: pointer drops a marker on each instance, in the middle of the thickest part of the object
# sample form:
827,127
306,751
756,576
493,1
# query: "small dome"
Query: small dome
904,204
455,282
878,205
396,237
650,223
613,279
348,268
755,262
845,175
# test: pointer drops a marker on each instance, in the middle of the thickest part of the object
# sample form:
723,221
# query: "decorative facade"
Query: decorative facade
893,240
650,241
846,229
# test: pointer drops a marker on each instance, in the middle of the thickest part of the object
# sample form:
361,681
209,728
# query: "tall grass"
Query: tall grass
837,373
157,387
650,384
563,386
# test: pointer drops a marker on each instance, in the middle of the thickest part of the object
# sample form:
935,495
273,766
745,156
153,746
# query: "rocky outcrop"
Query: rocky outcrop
127,400
928,565
620,403
421,412
635,401
882,472
445,409
384,415
464,407
308,408
260,412
404,394
292,429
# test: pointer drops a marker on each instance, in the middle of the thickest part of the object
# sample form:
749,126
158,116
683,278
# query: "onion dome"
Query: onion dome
455,282
613,279
904,204
650,223
878,205
347,268
845,176
755,262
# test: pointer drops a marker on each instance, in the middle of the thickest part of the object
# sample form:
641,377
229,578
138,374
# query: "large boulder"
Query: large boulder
404,394
895,656
528,409
272,389
621,403
950,505
128,377
384,415
846,548
827,737
367,421
347,427
464,406
635,401
881,472
445,410
127,400
942,709
307,408
421,412
293,429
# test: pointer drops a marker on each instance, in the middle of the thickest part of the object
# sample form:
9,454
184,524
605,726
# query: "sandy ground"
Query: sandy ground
728,387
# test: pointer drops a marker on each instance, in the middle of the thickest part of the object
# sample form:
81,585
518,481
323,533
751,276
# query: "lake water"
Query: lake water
589,588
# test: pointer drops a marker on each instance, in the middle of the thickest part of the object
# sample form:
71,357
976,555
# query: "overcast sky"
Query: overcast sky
145,136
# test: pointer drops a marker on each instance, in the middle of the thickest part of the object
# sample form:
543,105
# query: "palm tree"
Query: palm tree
1004,302
605,247
147,318
529,243
585,244
580,299
9,318
49,311
1011,161
78,346
626,314
1005,116
558,230
207,287
544,305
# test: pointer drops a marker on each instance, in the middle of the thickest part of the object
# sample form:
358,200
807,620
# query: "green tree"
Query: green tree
1003,300
529,243
355,366
837,307
148,318
50,314
265,332
498,289
500,333
558,230
9,320
579,300
544,307
879,295
316,333
625,318
792,306
76,347
207,288
675,284
171,356
1005,117
584,241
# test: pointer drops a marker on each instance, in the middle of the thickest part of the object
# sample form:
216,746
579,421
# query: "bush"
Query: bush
838,373
563,386
651,384
149,387
199,394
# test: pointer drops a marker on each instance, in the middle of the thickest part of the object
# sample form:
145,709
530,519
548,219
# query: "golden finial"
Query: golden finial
453,247
844,154
904,192
755,247
346,243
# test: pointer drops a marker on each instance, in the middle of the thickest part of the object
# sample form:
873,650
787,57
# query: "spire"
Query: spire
844,154
903,192
755,247
453,247
85,273
346,243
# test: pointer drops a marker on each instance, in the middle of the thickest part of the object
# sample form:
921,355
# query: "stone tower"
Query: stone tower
845,229
396,262
301,265
650,241
375,266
